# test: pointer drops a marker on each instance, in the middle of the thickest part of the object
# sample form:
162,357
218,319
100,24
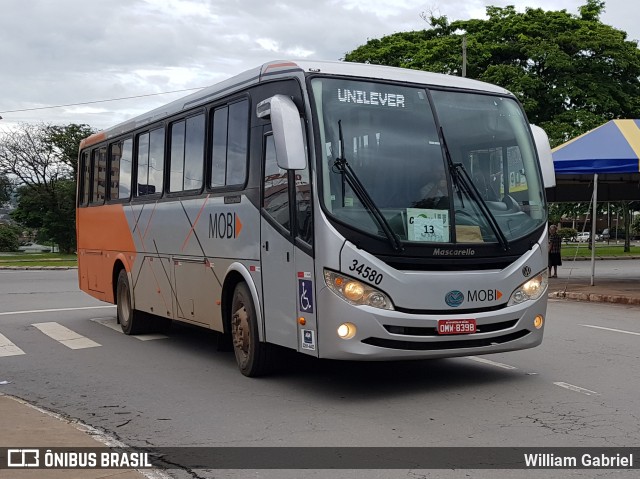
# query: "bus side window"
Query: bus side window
143,165
194,153
99,166
230,145
304,214
219,153
120,171
150,162
237,143
156,160
276,186
187,154
84,179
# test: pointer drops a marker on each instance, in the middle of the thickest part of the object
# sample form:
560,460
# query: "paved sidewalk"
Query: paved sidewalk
616,280
23,425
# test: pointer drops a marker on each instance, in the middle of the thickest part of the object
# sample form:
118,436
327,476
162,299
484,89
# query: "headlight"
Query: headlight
356,292
532,289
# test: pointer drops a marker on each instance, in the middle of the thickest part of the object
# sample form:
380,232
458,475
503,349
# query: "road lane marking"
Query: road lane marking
112,323
7,348
577,389
33,311
65,336
610,329
492,363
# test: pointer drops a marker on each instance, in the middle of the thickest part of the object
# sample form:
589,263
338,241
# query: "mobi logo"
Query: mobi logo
224,225
454,298
484,295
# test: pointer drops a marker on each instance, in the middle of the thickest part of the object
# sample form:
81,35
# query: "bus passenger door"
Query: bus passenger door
277,258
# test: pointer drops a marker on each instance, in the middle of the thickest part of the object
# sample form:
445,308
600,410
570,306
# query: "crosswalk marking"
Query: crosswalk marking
112,323
65,336
7,348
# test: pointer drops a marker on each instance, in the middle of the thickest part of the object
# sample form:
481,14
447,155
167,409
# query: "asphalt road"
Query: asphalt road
580,388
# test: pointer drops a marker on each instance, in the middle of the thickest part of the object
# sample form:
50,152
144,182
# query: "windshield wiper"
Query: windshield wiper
342,166
462,180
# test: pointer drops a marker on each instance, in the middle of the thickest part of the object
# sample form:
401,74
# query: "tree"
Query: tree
626,209
9,236
572,211
6,188
43,160
635,227
51,213
66,140
571,72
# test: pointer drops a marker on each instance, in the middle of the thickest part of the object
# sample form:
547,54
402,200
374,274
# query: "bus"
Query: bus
345,211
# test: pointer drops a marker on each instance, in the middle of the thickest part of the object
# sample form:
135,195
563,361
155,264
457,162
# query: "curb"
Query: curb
101,439
594,297
23,268
598,258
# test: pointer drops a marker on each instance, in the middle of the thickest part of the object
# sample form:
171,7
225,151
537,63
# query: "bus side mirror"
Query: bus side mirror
546,158
287,131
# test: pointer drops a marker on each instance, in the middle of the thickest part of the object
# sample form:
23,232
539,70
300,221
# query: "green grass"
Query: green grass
582,250
38,259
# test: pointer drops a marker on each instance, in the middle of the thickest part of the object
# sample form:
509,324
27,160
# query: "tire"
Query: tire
252,356
131,321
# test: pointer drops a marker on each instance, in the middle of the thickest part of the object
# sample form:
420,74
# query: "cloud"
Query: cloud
72,51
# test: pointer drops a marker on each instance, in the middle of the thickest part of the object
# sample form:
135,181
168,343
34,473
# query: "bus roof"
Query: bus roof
283,67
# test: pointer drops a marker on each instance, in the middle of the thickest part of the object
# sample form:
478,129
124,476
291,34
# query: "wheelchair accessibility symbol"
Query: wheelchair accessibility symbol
305,295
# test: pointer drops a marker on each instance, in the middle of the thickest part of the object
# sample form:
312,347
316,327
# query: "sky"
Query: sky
73,51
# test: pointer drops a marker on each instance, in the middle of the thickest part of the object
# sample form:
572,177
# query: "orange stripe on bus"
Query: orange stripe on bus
281,65
104,228
93,139
103,238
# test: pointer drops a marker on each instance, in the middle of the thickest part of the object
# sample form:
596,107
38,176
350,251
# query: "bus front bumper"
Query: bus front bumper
393,335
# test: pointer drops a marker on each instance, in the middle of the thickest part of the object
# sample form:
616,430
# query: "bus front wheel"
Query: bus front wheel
251,354
131,321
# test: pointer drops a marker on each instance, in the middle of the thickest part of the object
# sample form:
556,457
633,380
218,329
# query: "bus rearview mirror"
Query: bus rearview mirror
287,131
546,158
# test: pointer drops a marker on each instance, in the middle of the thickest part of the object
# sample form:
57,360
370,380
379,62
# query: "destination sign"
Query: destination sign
363,97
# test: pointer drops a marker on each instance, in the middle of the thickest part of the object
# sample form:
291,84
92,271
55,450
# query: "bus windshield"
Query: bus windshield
397,139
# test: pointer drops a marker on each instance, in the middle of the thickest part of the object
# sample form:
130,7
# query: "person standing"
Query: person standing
555,243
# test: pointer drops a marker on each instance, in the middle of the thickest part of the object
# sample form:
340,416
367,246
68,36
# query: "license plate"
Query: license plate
456,326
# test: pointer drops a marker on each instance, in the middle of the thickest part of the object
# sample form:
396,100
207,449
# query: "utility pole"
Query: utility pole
464,56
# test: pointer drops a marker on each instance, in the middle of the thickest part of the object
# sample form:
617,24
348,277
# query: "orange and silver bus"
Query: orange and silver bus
341,210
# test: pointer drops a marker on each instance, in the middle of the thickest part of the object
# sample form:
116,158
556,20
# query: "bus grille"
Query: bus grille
440,345
414,331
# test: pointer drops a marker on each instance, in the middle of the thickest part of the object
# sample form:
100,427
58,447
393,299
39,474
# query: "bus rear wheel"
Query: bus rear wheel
251,355
131,321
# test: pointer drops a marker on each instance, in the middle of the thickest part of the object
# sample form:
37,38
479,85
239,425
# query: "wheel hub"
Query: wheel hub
241,338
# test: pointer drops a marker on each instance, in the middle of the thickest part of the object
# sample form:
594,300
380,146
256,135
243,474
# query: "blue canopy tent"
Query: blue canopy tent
612,152
601,165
